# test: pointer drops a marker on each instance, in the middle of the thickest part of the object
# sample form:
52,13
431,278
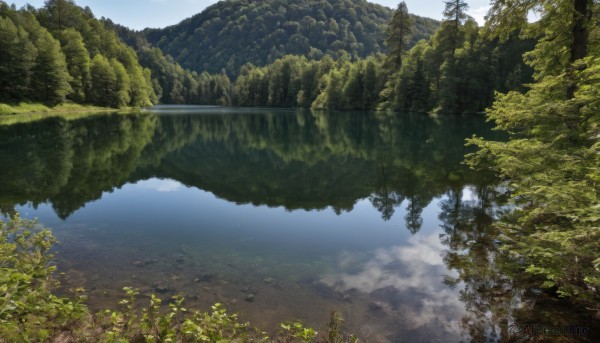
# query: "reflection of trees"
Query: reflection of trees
487,292
291,159
383,199
70,162
494,289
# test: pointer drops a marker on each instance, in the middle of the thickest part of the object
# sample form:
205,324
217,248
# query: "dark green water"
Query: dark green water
280,215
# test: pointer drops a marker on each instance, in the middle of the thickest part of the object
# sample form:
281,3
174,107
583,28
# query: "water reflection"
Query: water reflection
496,292
403,282
297,160
371,214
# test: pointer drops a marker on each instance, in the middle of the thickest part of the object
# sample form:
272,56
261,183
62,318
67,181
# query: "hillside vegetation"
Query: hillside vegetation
231,33
62,53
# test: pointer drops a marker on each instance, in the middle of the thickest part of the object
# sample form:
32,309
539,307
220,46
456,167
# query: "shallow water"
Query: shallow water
279,215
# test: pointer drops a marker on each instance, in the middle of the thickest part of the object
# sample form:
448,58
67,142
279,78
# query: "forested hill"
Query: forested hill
61,52
231,33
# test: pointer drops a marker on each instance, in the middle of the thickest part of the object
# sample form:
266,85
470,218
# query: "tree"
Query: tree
398,32
78,63
140,88
553,155
61,14
455,13
17,59
122,86
371,85
103,80
353,88
50,81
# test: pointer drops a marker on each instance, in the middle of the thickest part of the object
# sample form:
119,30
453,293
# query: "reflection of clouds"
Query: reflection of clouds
160,185
404,281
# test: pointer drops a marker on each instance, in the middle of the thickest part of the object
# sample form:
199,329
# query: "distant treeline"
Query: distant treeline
61,53
456,70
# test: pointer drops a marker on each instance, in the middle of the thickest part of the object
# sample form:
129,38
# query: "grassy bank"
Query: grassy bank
29,108
24,112
30,311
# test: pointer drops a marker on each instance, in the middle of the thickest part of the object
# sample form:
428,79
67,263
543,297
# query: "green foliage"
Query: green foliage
28,309
398,31
16,61
457,70
297,330
104,88
551,162
295,81
78,63
34,66
231,33
122,86
29,110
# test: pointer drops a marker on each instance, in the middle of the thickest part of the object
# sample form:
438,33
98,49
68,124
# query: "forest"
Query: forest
62,53
537,81
412,64
418,65
230,34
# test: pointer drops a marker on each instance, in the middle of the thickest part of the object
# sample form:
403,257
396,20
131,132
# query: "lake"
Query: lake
280,215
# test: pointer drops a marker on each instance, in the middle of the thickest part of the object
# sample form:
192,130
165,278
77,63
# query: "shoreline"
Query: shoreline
30,112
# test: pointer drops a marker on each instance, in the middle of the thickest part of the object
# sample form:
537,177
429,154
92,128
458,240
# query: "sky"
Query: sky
139,14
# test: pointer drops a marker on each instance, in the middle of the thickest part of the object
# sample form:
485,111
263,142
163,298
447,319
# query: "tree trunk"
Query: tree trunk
581,16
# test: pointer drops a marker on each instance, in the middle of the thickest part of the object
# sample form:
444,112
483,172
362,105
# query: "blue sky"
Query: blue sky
138,14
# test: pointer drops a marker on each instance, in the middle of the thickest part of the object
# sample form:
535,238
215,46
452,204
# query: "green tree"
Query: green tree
17,59
140,88
353,87
50,82
371,85
61,14
553,155
451,39
398,33
120,96
78,63
103,80
455,13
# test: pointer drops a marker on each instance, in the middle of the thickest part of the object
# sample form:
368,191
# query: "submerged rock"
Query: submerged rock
162,288
149,261
249,297
208,277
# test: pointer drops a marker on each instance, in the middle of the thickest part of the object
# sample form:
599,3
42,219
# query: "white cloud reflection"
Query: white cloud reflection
160,185
405,281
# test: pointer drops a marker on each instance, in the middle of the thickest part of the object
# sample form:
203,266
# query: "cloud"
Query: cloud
479,14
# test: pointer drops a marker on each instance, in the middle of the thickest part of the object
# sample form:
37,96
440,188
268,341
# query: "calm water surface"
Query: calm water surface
280,215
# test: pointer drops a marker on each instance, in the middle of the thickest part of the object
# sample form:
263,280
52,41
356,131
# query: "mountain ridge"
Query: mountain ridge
231,33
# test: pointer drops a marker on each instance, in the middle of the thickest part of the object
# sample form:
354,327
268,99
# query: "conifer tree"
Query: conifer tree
455,13
553,155
78,63
17,59
103,80
398,32
50,81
